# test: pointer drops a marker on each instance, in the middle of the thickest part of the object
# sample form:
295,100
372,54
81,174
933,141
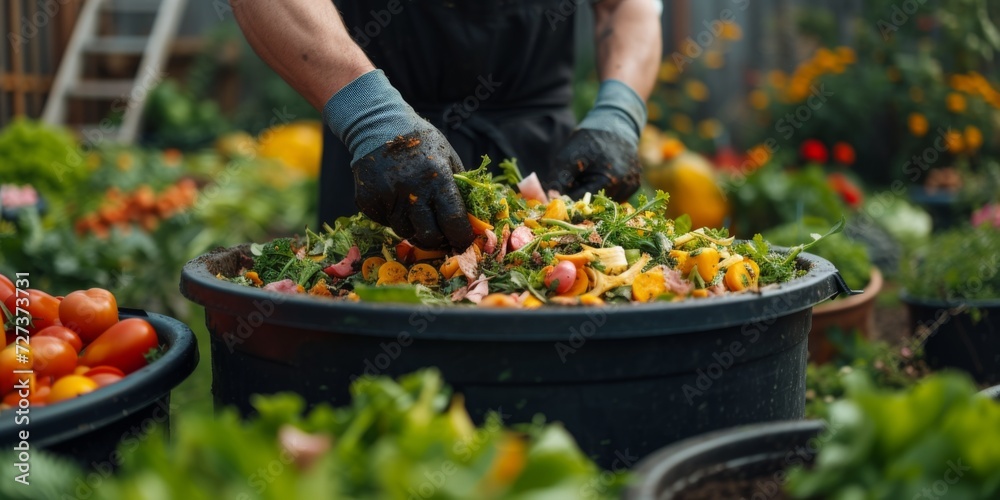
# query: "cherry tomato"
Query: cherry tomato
7,288
70,386
105,379
63,333
8,363
105,369
565,273
11,399
43,308
54,357
89,312
40,395
123,346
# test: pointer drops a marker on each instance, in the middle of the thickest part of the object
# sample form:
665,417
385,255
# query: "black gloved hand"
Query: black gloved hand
593,160
407,184
603,153
402,165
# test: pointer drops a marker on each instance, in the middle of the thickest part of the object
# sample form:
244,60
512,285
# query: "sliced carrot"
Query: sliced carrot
700,293
369,268
557,210
479,226
450,268
498,300
579,286
391,273
423,274
578,259
420,254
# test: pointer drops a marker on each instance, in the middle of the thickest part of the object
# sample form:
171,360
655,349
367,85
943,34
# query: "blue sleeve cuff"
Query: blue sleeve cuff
618,109
369,112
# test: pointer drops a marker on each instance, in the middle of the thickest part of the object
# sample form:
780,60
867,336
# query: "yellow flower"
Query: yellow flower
654,111
916,94
671,147
681,124
758,99
668,72
714,59
777,78
973,138
955,103
124,161
955,142
824,59
731,31
847,55
710,128
918,124
696,90
798,90
759,155
893,74
960,83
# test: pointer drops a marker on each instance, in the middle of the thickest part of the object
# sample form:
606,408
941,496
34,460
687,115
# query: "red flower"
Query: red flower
848,191
813,150
843,153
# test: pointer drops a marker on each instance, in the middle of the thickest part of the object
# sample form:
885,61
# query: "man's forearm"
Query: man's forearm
305,42
629,42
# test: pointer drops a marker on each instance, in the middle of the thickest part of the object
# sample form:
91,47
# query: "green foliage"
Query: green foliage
889,445
44,157
887,365
960,264
176,118
772,196
386,444
482,195
848,256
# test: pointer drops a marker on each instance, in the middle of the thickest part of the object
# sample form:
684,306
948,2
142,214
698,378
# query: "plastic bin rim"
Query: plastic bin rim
136,391
544,324
654,467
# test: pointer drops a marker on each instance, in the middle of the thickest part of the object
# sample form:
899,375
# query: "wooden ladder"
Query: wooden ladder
127,95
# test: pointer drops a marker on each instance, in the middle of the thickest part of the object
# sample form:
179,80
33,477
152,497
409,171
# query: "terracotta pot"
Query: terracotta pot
848,314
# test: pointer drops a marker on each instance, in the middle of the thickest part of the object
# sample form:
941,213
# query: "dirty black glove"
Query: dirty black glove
402,165
603,152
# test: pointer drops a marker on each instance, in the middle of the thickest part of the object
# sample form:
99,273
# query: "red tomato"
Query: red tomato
123,346
9,363
43,308
101,370
70,386
40,395
89,312
61,332
105,379
54,357
6,288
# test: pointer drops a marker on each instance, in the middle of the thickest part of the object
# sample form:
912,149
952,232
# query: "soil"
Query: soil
732,488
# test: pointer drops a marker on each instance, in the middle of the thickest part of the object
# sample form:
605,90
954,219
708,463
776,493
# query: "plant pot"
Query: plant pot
942,206
89,429
962,335
856,312
749,461
624,380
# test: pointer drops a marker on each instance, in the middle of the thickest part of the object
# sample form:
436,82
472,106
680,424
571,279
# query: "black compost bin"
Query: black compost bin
962,335
88,429
625,380
745,462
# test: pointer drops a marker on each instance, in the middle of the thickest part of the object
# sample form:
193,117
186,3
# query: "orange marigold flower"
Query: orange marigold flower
955,103
918,124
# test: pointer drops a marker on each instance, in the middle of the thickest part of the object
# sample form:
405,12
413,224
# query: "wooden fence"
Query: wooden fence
35,34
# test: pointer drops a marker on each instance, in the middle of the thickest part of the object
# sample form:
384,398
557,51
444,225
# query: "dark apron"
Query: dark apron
495,76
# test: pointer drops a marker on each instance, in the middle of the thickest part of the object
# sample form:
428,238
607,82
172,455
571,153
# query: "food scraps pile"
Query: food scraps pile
532,248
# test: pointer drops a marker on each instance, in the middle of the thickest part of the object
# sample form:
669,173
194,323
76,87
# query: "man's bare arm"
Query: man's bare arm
304,41
629,43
